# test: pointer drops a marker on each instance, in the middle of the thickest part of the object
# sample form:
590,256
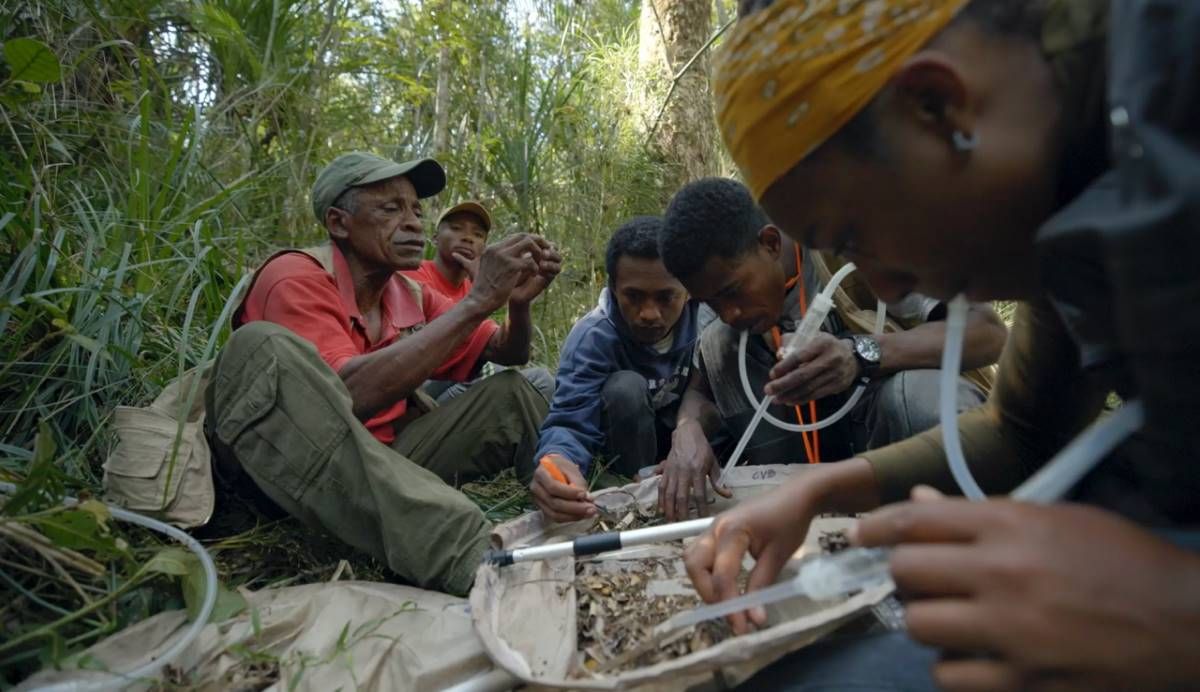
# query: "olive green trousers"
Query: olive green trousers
276,410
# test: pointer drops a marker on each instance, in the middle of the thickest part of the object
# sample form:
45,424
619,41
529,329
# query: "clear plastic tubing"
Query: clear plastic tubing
1067,467
832,575
828,576
796,342
820,579
809,326
956,328
153,668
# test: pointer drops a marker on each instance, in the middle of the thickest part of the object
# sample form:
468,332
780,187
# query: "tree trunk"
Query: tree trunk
441,103
683,133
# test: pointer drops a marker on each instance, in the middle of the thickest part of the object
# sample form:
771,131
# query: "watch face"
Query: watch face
868,348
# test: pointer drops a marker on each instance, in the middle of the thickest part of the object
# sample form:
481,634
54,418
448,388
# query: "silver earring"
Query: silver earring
964,142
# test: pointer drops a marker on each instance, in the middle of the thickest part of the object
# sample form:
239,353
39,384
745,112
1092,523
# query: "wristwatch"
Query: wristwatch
868,354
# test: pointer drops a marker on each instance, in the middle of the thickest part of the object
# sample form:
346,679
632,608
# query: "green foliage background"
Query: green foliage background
175,147
153,152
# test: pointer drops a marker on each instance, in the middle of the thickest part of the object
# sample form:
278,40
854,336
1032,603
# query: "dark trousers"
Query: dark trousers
636,435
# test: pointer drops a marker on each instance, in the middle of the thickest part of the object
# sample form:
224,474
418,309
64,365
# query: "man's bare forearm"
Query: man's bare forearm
697,407
510,344
379,379
921,347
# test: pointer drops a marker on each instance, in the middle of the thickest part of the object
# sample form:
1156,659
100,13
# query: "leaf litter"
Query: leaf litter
619,603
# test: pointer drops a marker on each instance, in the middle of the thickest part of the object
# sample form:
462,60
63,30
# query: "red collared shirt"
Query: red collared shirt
429,275
293,291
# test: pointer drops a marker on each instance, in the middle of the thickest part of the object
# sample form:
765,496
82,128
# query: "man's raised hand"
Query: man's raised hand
506,265
549,265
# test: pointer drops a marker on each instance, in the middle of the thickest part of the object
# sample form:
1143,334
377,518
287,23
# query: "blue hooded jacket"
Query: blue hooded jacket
600,344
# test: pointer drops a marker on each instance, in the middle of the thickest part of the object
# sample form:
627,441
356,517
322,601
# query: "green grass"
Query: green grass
166,153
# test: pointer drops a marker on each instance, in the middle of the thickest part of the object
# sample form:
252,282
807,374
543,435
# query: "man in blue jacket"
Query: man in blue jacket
621,375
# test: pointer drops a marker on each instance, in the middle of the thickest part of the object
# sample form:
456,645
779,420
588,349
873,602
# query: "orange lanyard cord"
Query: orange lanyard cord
811,449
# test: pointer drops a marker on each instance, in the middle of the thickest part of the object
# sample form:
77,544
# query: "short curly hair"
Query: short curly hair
710,217
637,237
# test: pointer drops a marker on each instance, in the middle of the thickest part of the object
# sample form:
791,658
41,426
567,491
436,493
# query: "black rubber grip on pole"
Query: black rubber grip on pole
500,558
598,543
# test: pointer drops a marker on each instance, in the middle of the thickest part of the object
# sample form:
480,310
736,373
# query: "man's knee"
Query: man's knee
542,380
262,340
625,393
909,399
520,397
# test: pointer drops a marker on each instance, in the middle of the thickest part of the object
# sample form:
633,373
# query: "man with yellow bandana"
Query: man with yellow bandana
981,148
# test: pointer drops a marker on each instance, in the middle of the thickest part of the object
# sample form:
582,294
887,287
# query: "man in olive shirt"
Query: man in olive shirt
963,147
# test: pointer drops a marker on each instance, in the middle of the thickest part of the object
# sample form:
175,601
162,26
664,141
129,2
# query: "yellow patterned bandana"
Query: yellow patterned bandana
793,74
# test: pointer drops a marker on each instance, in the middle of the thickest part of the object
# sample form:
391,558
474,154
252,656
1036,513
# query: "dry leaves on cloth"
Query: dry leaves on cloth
626,520
617,609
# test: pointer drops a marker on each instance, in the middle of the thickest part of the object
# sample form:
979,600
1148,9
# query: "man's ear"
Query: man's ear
770,240
335,223
934,92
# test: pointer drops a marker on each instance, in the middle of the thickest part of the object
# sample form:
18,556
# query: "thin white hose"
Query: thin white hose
836,279
1067,467
808,328
766,401
880,320
153,668
956,328
1077,458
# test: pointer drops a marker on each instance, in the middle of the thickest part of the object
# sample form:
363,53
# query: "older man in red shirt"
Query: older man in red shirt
314,402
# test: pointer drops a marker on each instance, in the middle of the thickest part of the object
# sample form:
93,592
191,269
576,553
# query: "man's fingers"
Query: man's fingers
732,545
558,499
714,475
937,569
797,381
827,384
766,570
576,490
521,249
926,522
699,491
683,491
665,485
575,478
955,624
569,507
926,493
667,493
542,499
808,351
977,675
784,366
698,560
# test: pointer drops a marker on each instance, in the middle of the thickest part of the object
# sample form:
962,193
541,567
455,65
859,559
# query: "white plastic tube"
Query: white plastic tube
956,329
814,317
809,326
154,668
1071,464
1067,467
825,576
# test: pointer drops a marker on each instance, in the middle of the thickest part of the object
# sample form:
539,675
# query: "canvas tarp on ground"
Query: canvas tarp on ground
347,635
525,613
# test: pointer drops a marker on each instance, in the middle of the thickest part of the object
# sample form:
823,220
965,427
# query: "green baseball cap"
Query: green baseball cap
362,168
468,207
